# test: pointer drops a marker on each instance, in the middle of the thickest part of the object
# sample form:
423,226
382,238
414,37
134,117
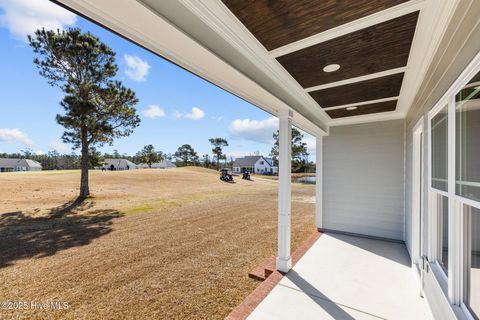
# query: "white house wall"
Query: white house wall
364,179
259,167
459,46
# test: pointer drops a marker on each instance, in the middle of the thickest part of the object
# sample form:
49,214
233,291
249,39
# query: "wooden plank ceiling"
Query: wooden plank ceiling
378,88
365,52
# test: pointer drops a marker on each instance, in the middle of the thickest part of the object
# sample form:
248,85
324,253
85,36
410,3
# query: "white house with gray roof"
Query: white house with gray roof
18,165
118,164
254,164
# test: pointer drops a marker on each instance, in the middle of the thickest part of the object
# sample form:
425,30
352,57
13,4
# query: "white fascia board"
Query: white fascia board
137,23
432,24
360,103
384,116
357,79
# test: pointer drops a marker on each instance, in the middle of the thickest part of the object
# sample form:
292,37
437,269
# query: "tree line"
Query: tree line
185,155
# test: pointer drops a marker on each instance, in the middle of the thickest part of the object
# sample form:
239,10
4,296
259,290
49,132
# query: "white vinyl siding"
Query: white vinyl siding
364,179
457,49
262,166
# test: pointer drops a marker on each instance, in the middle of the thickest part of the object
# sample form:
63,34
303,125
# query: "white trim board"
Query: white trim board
360,103
357,79
431,27
366,118
417,171
470,71
362,23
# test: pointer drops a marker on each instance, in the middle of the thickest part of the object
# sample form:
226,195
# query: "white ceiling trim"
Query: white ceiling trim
374,117
356,79
360,103
362,23
443,53
431,26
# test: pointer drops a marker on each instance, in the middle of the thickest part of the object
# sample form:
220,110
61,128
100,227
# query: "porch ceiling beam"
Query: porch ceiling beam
357,79
383,116
365,22
360,103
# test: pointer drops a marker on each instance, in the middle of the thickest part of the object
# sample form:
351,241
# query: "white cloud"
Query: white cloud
254,130
39,152
23,17
311,143
177,115
59,147
195,114
240,154
15,136
153,111
137,69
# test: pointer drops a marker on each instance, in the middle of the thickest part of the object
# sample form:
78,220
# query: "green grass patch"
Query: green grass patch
162,204
45,173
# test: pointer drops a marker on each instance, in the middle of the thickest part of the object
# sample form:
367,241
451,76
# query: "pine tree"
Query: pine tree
97,108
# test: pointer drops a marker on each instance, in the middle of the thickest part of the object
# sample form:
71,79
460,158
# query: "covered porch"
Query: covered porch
355,76
347,277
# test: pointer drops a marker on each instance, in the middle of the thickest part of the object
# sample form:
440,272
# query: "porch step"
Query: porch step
263,270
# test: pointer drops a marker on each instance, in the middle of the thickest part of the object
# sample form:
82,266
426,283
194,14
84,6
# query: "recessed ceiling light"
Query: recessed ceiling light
331,68
352,108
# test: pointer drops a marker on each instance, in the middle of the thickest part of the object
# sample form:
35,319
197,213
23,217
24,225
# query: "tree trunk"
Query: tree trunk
84,189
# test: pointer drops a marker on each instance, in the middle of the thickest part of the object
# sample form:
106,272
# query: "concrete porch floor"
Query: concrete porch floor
345,277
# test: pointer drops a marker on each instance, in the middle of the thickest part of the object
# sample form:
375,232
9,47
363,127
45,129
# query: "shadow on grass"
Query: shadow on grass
23,236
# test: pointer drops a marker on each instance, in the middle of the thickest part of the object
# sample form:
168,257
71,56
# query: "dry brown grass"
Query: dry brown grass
150,244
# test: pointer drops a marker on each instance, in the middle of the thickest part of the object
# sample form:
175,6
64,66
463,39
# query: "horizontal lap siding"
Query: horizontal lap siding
363,179
459,46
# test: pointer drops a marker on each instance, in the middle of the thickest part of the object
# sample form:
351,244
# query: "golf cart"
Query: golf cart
226,175
246,175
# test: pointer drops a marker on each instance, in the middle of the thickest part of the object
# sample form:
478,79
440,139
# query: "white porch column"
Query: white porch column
319,183
284,260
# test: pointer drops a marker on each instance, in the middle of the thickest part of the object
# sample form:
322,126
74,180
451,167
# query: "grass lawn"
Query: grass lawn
149,244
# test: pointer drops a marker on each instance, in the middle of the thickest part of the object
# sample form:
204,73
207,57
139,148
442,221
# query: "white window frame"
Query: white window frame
458,219
418,219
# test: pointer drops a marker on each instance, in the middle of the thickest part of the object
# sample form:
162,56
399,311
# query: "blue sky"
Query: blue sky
175,107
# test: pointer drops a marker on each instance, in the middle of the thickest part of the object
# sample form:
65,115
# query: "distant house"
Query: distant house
15,165
164,164
118,164
254,164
